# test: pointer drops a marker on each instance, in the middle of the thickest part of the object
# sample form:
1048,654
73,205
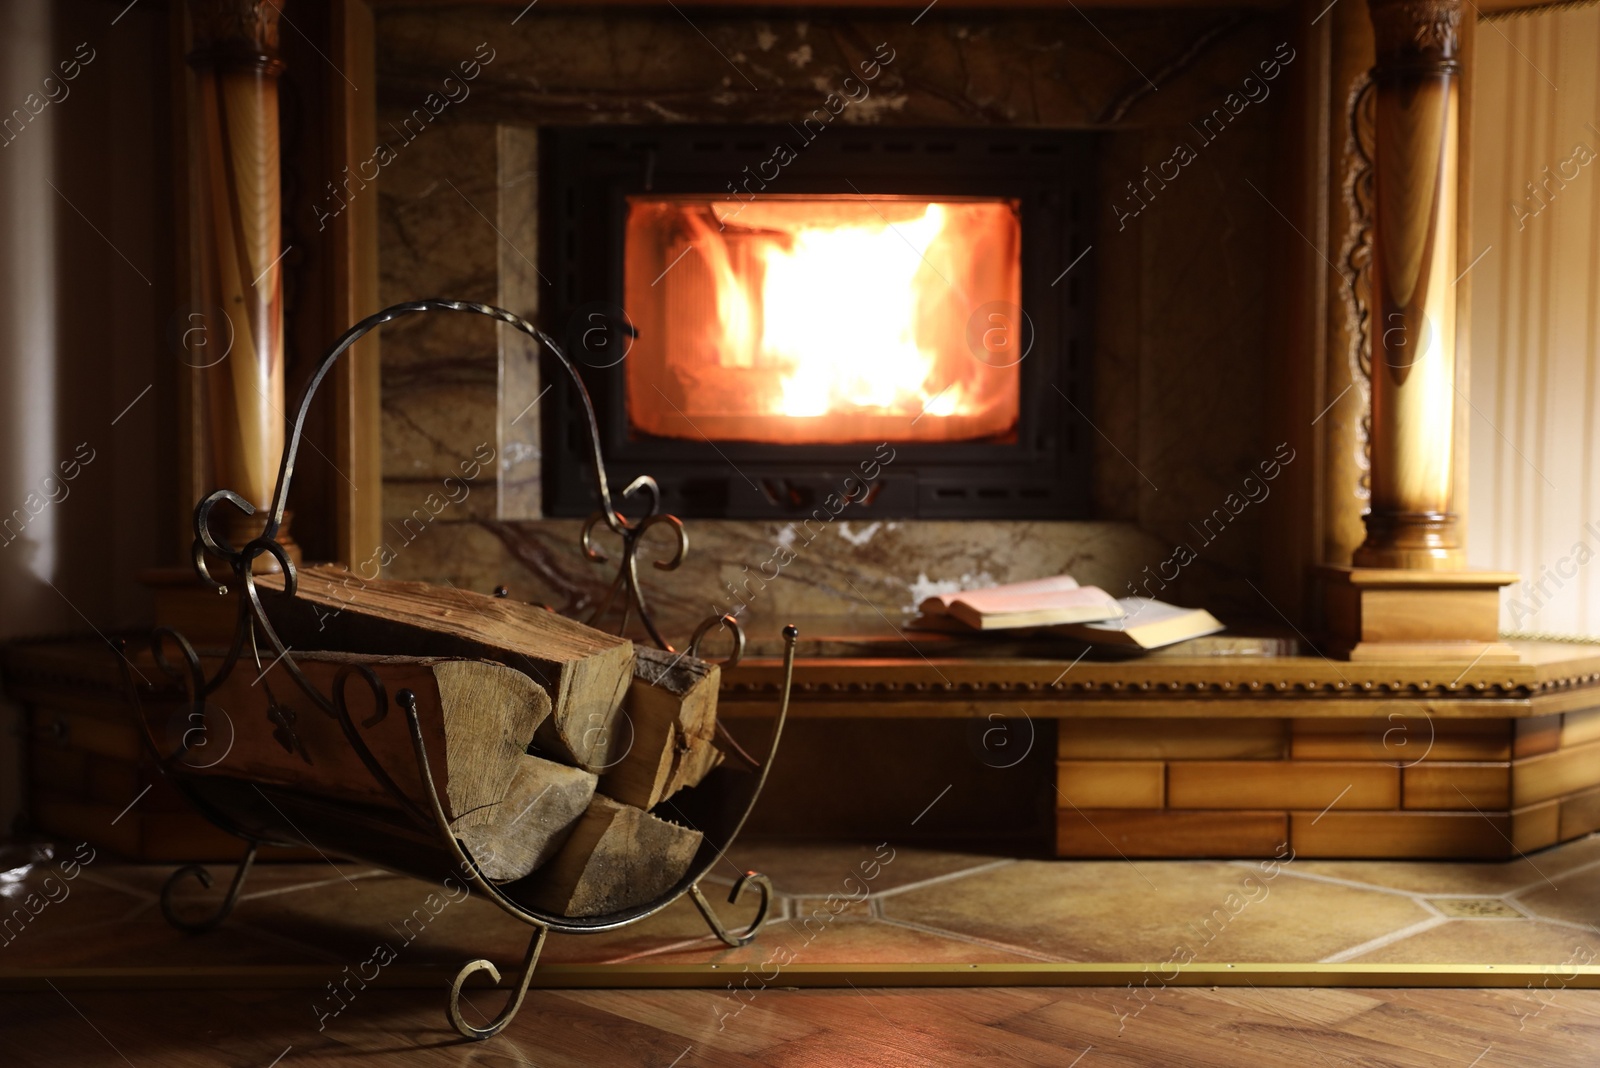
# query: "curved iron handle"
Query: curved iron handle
745,937
730,624
201,873
509,1012
252,616
241,559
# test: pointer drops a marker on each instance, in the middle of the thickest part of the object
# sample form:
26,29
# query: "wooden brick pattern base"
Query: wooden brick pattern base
1403,785
1128,833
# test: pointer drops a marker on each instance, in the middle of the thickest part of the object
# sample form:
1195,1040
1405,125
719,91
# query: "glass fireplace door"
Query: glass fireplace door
823,319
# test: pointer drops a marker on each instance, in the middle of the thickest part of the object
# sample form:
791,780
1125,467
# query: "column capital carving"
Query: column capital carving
236,34
1409,32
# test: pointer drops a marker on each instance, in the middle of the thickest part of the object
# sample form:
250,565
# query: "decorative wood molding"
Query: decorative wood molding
1357,260
1545,671
1321,688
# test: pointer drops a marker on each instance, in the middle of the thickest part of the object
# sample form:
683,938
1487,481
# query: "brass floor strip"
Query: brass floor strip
818,976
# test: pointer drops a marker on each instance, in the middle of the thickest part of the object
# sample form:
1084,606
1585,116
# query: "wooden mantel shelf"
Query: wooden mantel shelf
1552,678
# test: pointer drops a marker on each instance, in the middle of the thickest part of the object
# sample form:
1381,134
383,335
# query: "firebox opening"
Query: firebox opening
824,319
747,348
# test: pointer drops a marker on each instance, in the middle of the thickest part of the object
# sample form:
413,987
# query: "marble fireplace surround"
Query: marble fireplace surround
1183,283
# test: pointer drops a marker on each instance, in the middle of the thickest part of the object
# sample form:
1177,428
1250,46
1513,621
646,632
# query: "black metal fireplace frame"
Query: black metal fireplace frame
587,172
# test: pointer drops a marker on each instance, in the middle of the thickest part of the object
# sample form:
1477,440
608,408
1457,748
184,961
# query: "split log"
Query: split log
531,821
586,671
692,763
477,718
671,709
680,686
617,857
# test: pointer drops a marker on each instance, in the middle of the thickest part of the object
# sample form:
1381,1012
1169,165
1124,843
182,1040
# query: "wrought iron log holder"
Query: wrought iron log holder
418,841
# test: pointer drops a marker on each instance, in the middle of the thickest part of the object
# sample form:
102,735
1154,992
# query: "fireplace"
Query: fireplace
756,313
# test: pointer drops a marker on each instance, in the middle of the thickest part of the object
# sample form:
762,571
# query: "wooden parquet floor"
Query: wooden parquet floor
1068,1028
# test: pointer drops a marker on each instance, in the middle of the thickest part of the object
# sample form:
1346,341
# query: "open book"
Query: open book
940,605
1144,624
1037,603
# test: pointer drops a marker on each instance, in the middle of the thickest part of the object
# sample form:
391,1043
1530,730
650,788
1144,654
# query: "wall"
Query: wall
85,308
1184,287
1535,482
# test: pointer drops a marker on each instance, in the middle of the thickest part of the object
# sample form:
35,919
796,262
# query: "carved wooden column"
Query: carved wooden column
1407,595
1417,82
238,247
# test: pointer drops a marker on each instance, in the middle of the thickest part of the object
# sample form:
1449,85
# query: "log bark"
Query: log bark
671,713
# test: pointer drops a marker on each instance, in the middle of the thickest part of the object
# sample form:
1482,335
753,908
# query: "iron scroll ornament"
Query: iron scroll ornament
241,559
255,812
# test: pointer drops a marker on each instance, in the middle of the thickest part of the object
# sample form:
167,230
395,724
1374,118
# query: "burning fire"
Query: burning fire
847,315
862,351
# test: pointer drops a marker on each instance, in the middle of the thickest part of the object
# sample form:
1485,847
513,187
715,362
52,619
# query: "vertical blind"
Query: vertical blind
1534,474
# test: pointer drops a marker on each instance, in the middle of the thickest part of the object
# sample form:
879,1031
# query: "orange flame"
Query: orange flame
824,319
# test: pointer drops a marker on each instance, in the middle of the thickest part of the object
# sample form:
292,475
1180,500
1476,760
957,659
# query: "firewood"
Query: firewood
642,777
684,685
531,821
692,762
477,718
653,772
671,707
617,857
586,671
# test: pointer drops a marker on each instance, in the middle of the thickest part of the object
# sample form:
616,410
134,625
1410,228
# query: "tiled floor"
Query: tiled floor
921,906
